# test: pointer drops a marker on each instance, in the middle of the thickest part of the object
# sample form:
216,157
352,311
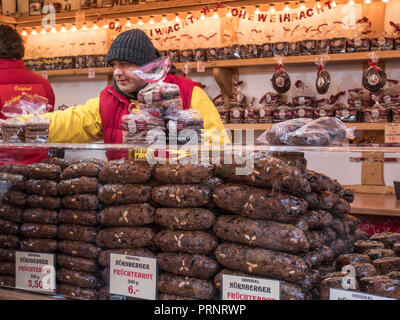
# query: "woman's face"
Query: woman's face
124,76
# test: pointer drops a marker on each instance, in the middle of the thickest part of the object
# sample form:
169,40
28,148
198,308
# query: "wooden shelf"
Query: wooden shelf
13,294
376,204
266,126
74,72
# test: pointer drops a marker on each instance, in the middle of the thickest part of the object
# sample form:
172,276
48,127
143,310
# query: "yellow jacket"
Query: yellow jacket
82,123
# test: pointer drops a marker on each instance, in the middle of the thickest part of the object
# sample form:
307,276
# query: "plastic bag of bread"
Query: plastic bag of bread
306,132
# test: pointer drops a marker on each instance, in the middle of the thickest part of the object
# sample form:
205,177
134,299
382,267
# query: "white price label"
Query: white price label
133,276
201,66
92,73
35,271
45,75
392,133
248,288
339,294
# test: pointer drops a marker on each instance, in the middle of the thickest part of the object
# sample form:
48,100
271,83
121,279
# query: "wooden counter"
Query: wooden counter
376,204
13,294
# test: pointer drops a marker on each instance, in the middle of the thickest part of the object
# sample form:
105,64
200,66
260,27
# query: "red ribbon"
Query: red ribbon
278,68
373,65
319,69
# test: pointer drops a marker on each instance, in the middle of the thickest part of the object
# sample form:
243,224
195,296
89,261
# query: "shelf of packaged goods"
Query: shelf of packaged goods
12,294
257,62
375,204
266,126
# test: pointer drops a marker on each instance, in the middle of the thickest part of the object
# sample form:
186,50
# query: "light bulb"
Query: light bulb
318,4
257,11
202,16
287,9
351,2
151,20
177,18
215,15
84,28
43,31
385,0
128,23
302,6
53,30
24,33
34,32
367,1
229,14
272,8
164,19
63,29
140,23
95,27
333,4
73,29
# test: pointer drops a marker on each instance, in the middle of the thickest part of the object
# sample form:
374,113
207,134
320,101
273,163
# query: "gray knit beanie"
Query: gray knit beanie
133,46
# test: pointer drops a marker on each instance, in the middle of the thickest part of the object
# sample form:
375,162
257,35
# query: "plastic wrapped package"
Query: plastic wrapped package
358,40
281,48
186,53
308,44
323,109
282,113
382,42
337,41
322,42
251,112
360,94
374,79
303,96
396,114
307,132
37,130
13,131
187,124
323,81
237,103
396,34
272,99
376,113
294,45
343,111
280,80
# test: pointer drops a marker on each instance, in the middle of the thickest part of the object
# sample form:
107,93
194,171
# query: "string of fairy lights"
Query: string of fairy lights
128,23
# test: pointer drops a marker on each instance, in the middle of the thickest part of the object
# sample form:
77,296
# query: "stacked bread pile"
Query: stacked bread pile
13,201
126,215
78,226
186,241
270,230
376,266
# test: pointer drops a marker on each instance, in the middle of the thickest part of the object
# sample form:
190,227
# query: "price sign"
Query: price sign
338,294
92,73
392,133
247,288
35,271
45,74
201,66
133,276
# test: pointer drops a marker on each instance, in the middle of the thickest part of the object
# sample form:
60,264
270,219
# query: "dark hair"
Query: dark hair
11,43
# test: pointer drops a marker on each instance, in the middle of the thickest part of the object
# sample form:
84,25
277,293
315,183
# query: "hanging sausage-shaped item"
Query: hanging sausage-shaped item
280,80
374,78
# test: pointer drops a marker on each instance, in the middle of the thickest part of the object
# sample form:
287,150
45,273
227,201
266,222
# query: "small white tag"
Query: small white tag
92,73
201,66
45,75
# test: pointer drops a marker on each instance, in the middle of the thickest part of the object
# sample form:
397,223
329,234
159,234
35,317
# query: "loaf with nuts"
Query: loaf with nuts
39,245
327,201
7,268
37,215
12,181
62,163
194,242
104,256
38,171
197,266
190,219
125,171
85,218
128,215
81,202
10,213
76,232
181,195
79,185
7,281
79,249
261,262
38,230
268,172
383,286
396,247
114,194
124,238
374,254
181,174
185,286
76,278
15,169
321,182
76,292
364,269
387,264
44,202
42,187
15,198
256,203
362,246
260,233
387,238
8,227
351,258
81,169
334,281
7,255
76,263
317,219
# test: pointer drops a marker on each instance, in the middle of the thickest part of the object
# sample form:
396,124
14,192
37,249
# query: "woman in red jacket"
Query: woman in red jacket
14,80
